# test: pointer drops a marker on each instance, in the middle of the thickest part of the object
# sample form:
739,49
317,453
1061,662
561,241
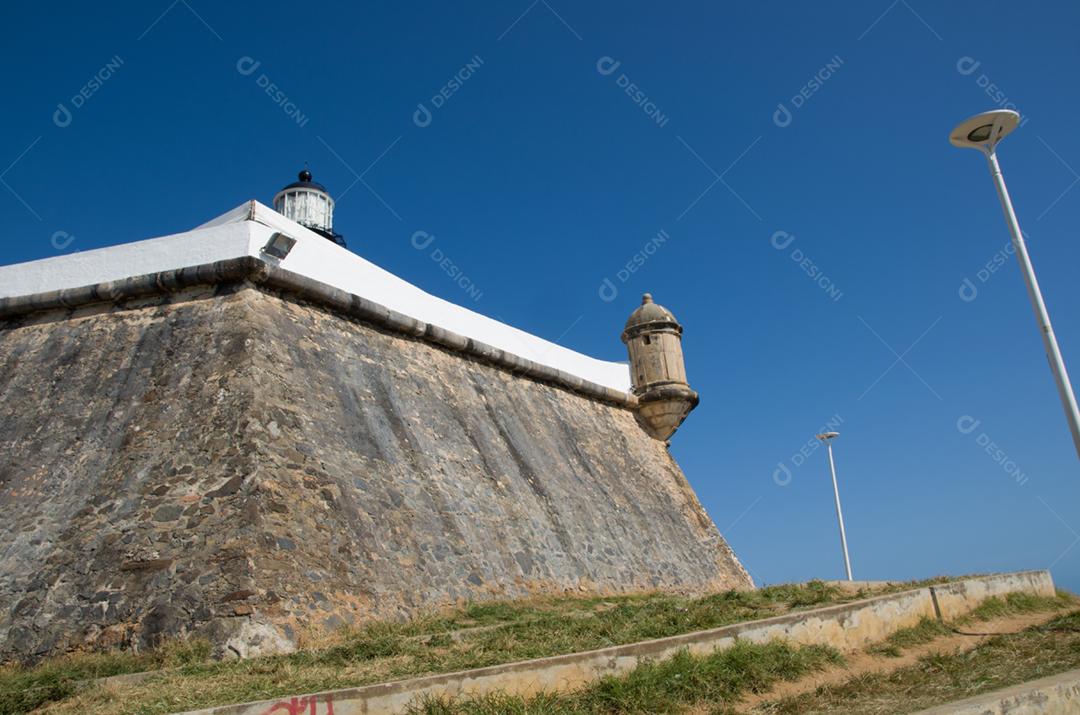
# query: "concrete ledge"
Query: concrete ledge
954,599
847,627
256,272
1054,695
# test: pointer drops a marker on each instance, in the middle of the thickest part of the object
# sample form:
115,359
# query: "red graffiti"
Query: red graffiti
305,705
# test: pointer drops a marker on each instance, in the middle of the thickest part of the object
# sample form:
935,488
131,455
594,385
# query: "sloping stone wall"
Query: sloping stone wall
241,465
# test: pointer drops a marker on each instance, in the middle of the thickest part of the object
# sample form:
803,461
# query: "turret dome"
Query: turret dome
649,315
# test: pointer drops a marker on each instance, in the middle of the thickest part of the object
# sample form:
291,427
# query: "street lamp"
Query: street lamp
827,438
983,132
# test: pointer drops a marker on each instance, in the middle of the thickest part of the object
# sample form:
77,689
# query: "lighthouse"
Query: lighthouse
653,338
310,205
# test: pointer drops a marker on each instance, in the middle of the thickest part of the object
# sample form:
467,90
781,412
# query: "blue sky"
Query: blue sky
818,228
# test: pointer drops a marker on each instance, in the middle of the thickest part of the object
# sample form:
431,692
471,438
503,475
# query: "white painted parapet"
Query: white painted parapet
243,233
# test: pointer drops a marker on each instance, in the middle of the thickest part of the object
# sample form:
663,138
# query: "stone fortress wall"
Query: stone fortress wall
229,452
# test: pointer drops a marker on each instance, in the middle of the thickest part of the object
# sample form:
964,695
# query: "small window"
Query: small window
648,340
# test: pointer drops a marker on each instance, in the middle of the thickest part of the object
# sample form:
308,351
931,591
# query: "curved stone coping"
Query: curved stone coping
846,627
260,273
1053,695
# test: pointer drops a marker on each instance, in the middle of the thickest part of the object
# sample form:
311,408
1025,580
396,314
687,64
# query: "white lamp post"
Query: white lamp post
983,132
827,439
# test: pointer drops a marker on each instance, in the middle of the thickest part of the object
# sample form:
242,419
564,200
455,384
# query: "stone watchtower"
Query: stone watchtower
654,340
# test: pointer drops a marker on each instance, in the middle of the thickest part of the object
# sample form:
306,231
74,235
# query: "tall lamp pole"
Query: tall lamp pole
827,439
983,132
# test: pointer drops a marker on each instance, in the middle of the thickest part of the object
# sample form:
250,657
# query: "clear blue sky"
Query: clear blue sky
540,177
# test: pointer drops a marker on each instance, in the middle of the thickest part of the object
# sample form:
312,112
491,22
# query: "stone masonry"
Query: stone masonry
238,463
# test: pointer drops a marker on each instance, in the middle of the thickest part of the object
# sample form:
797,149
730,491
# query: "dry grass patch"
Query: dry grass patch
938,678
668,686
477,636
1012,604
715,684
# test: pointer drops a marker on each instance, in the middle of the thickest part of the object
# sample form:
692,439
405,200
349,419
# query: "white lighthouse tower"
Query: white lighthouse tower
310,205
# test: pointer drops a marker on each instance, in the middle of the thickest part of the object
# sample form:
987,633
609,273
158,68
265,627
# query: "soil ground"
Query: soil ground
862,663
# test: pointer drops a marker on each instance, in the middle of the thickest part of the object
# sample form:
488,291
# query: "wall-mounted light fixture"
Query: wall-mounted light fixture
279,245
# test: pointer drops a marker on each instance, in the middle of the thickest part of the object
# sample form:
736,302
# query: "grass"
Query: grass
1018,603
1000,662
928,629
487,634
22,690
924,631
715,683
668,686
476,636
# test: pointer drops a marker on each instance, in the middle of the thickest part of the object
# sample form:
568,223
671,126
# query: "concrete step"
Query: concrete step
846,627
1053,695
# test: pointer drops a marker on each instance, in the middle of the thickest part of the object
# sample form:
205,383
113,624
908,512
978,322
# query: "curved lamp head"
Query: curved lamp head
826,436
984,131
